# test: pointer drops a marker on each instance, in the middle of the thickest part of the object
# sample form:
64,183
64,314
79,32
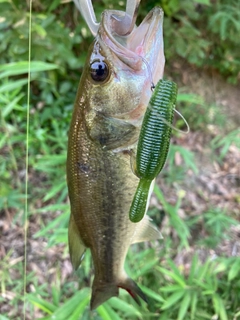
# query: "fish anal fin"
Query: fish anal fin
76,246
146,231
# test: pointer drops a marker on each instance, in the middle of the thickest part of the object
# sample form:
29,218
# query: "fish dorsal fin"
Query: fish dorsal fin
146,231
76,246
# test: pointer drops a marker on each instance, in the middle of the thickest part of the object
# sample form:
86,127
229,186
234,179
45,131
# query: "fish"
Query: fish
113,93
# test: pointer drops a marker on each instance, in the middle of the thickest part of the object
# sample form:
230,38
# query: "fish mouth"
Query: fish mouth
142,45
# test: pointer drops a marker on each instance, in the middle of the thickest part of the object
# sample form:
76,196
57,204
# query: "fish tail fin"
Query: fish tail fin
102,292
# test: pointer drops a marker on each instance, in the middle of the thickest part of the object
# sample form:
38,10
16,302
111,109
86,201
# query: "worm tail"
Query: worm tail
140,200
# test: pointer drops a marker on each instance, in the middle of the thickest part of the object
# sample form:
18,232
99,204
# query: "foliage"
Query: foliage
202,32
223,143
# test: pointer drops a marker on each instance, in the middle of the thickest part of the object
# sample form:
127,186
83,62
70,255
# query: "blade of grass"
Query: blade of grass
26,164
21,67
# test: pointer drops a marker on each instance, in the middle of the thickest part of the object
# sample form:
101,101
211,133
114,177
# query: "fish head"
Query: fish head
120,69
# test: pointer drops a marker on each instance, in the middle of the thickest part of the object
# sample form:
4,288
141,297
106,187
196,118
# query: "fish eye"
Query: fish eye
99,71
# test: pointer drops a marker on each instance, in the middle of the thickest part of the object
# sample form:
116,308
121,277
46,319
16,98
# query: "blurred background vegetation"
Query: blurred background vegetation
194,272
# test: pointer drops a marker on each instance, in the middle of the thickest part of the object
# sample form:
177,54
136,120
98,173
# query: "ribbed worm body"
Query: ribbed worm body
153,143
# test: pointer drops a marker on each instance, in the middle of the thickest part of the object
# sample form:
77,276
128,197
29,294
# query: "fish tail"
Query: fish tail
102,292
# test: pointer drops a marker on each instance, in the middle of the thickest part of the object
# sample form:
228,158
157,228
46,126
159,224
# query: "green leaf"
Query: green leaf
171,288
52,225
22,67
40,30
206,2
12,105
12,85
54,190
108,310
202,272
103,312
53,5
42,304
175,269
193,269
173,299
221,267
219,307
173,276
194,300
234,270
147,267
160,196
190,98
82,297
79,309
123,306
184,306
150,293
55,207
48,162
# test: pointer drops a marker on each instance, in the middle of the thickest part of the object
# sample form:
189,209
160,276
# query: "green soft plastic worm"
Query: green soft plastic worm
153,143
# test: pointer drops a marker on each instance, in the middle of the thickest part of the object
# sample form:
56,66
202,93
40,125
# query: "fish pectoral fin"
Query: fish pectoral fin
76,246
112,133
146,231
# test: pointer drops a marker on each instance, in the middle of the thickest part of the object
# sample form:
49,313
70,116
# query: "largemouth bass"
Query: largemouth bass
112,97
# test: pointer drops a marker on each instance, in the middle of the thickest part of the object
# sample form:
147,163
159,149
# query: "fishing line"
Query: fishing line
179,113
149,72
185,121
27,163
158,114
